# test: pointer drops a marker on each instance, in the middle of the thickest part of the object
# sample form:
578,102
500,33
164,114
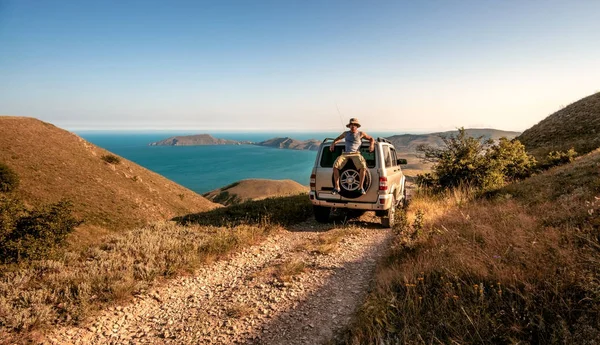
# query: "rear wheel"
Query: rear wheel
321,213
389,219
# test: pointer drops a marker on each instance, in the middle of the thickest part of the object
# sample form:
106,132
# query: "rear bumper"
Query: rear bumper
327,199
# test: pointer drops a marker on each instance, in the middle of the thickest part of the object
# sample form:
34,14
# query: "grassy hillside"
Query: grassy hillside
254,189
577,126
108,192
522,266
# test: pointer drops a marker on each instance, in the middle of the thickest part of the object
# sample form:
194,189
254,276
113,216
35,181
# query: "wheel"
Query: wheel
350,181
321,213
389,219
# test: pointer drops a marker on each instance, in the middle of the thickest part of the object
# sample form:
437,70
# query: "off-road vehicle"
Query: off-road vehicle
384,182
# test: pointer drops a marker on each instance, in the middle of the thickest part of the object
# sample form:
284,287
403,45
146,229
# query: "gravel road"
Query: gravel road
241,300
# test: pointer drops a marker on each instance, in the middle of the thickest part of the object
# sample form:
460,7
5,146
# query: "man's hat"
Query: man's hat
353,121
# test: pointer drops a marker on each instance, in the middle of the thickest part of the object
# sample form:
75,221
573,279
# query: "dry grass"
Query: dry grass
523,267
238,310
326,243
79,282
283,211
289,269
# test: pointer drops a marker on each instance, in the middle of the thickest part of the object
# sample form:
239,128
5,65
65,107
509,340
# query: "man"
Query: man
353,139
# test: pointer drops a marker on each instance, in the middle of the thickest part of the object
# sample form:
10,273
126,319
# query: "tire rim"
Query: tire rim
350,180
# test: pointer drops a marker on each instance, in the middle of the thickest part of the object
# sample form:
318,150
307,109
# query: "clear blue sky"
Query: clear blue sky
283,65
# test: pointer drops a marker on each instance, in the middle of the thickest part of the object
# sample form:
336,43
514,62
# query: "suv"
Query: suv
384,182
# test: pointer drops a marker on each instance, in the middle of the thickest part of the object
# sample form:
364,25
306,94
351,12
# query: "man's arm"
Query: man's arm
369,138
336,140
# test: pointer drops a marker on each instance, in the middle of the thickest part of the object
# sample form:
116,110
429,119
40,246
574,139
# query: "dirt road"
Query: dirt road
286,290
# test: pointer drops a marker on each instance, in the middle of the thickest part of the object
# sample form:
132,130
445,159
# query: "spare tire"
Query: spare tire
350,181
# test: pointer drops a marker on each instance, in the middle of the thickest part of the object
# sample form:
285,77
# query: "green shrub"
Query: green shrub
33,234
9,180
473,162
111,159
556,158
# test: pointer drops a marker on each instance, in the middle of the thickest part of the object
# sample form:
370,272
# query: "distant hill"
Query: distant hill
289,143
410,142
207,139
577,126
254,189
53,164
196,140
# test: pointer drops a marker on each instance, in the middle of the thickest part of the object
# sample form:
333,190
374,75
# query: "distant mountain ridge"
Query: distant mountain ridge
410,142
207,139
289,143
575,126
405,142
196,140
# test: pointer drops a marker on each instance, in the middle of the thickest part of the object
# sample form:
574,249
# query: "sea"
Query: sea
205,168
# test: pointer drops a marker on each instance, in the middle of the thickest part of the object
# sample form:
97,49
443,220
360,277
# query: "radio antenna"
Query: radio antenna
338,109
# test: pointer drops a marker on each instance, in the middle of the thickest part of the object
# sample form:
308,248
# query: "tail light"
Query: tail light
383,185
313,181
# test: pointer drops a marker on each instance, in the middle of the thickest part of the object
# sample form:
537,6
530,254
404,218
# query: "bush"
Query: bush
111,159
33,234
473,162
9,180
556,158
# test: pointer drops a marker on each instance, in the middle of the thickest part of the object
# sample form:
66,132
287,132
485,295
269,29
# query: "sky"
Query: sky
403,66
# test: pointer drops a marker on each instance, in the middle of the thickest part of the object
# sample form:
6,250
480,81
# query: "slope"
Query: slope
575,126
54,164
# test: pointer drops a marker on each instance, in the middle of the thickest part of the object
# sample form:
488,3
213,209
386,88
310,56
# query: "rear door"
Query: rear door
392,169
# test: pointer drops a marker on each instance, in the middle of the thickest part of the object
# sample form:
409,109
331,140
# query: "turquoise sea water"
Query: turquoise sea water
204,168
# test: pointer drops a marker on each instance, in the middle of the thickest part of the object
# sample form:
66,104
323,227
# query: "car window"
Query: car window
328,157
394,157
387,156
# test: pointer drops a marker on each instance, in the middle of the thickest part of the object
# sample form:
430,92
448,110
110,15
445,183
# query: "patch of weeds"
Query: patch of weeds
237,310
287,270
9,180
111,159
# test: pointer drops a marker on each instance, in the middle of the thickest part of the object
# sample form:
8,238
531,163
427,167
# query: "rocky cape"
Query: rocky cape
207,139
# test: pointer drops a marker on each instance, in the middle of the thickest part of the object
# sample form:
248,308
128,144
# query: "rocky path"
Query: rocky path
247,299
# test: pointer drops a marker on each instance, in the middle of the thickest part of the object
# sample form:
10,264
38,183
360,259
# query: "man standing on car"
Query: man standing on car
353,139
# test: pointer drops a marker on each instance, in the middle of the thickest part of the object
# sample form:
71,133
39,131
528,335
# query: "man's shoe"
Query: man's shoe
362,191
335,191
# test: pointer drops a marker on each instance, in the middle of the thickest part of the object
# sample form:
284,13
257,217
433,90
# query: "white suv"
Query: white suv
384,182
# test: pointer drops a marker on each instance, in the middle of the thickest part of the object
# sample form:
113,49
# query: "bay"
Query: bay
204,168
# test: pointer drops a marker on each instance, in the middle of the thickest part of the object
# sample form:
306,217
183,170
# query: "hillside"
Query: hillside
575,126
517,266
410,142
54,164
254,189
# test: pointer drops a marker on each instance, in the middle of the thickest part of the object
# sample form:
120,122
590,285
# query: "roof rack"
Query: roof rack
383,140
341,141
